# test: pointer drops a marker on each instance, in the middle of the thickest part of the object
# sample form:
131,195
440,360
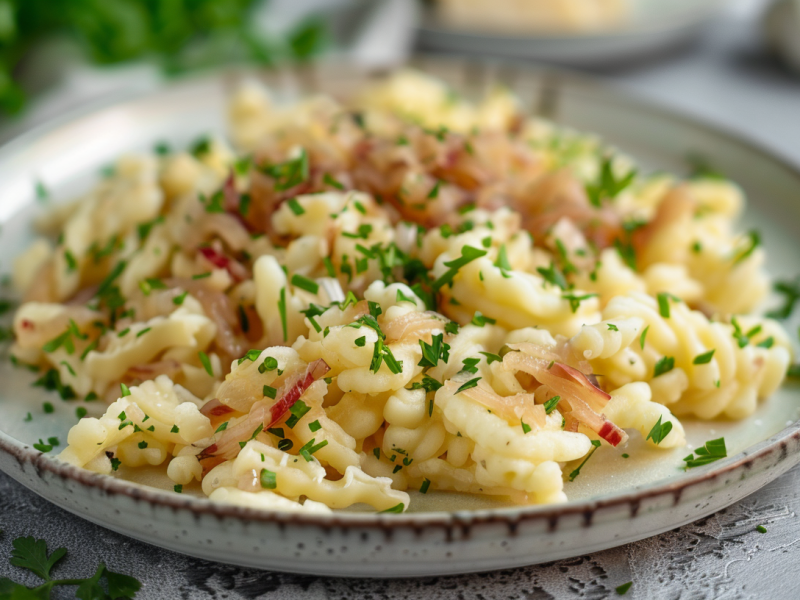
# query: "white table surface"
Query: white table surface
725,79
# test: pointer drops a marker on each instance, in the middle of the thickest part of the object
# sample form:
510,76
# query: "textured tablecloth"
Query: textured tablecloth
725,79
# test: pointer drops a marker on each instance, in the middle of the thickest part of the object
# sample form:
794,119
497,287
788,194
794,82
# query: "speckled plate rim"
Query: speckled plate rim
785,443
780,443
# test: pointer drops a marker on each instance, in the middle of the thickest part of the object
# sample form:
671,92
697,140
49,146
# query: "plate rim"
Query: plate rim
549,76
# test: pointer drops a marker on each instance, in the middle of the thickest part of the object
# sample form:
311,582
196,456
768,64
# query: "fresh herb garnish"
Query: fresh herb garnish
713,450
575,301
623,589
468,254
664,365
468,385
268,479
753,241
290,173
659,431
206,362
550,405
576,472
308,449
431,353
31,554
705,358
298,410
607,185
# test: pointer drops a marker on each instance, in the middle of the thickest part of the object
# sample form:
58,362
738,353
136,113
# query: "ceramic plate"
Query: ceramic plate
613,502
655,27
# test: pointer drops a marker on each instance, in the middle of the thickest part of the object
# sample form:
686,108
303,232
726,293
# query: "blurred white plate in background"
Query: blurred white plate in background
656,26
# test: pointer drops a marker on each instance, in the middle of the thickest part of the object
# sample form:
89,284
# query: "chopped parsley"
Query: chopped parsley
269,392
753,241
713,450
761,529
282,311
42,447
295,207
310,449
705,358
480,320
401,297
502,259
51,381
222,427
468,385
426,483
553,275
268,479
206,362
490,358
550,405
663,305
607,185
664,365
428,383
790,290
612,327
304,283
124,389
269,364
468,254
328,179
623,589
470,365
290,173
659,431
431,353
315,425
643,336
298,410
575,301
576,472
397,509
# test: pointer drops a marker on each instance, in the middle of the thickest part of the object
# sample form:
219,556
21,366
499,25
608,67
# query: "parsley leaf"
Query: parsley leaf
659,431
711,451
607,185
664,365
468,254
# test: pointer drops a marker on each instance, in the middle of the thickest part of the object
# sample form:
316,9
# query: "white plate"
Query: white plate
655,27
613,502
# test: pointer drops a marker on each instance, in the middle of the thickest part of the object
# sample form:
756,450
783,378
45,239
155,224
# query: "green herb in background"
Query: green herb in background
179,34
31,554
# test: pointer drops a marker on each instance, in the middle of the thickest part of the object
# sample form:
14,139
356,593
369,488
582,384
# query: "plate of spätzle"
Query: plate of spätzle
439,320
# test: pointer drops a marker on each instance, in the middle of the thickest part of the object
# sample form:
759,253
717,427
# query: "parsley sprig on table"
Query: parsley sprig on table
31,554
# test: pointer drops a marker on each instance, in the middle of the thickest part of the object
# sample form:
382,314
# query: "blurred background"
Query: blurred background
733,62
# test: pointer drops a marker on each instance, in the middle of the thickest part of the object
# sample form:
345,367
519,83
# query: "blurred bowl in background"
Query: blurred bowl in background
580,33
782,30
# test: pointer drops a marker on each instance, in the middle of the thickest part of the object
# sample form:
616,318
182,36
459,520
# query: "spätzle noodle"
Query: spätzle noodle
408,293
